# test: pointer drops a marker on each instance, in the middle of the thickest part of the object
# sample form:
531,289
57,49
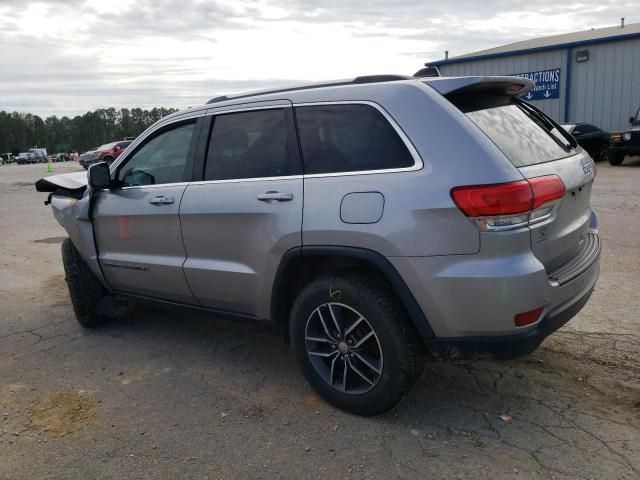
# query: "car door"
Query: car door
136,223
246,210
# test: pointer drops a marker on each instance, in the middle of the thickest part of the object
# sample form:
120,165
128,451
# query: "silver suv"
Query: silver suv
370,222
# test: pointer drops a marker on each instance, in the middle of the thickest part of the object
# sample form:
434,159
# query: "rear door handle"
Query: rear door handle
272,196
161,200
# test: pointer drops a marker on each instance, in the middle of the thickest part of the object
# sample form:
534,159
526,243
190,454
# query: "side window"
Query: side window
589,129
160,160
249,145
348,138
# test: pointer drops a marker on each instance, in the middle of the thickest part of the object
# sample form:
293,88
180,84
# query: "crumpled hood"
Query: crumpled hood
75,182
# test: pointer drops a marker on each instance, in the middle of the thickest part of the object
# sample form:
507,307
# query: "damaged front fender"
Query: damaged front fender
71,205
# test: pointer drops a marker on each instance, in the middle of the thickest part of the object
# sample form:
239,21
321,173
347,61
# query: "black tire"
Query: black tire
603,153
401,352
616,158
85,290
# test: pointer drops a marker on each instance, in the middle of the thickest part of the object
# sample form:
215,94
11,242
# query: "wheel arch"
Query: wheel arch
300,265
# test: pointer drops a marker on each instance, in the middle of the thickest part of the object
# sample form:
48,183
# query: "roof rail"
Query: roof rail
356,81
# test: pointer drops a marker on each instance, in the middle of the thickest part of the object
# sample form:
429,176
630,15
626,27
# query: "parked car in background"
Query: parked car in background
626,143
61,157
25,157
104,153
408,241
593,139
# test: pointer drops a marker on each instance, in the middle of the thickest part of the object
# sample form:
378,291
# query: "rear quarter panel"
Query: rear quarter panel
419,218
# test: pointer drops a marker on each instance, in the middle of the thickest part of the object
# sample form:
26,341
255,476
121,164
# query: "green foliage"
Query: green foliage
21,131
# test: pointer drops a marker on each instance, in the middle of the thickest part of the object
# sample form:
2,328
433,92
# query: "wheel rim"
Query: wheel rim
343,348
604,152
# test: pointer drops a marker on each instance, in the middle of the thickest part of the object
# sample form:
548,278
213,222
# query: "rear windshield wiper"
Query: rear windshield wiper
547,124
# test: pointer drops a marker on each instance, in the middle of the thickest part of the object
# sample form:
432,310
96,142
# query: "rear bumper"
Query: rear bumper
510,346
470,300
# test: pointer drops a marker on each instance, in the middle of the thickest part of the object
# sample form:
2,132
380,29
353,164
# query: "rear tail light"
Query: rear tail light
510,205
546,189
527,318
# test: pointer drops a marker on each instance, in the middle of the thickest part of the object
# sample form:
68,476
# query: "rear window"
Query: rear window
249,144
525,135
349,138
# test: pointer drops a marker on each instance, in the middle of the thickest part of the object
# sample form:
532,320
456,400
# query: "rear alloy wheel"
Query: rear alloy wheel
354,344
343,348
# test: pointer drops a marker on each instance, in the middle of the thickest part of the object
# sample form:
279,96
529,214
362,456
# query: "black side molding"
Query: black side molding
377,260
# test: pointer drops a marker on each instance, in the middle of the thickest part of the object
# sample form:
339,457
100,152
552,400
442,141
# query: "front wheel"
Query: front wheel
603,153
353,343
85,290
616,158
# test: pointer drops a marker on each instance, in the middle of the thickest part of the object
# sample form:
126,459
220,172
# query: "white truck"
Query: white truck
33,155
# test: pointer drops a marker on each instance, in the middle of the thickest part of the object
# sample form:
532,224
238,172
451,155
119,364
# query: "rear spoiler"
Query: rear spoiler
507,85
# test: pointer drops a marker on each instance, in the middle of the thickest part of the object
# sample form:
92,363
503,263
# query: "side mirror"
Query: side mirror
632,120
99,176
117,147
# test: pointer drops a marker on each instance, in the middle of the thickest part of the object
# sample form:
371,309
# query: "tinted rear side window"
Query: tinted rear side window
526,137
349,138
249,145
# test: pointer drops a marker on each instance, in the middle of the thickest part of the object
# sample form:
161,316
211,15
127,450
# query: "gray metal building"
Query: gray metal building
591,76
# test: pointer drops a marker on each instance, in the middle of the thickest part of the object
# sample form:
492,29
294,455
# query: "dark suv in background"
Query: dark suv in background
104,153
626,143
593,139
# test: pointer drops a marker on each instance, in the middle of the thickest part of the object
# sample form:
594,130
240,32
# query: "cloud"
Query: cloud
70,56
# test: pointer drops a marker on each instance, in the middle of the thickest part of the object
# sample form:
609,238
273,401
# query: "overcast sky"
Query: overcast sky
65,57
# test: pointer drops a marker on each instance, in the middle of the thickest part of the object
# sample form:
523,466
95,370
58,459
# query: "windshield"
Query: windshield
107,146
523,133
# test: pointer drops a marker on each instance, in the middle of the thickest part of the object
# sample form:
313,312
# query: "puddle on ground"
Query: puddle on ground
17,187
49,240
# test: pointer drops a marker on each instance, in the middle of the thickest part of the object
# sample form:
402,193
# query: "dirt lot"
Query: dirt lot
169,394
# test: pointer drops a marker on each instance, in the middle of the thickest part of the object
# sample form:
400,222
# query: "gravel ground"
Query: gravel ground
173,394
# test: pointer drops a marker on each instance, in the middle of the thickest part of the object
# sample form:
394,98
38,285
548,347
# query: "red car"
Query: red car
104,153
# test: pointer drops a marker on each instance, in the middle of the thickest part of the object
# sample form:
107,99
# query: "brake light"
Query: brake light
546,189
509,205
500,199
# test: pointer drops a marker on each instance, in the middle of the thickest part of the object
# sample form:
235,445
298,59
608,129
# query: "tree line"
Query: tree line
21,131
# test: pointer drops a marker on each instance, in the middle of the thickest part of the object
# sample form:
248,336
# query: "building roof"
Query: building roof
554,42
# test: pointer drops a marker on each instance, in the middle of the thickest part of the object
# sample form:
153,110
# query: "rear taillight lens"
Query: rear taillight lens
510,205
500,199
546,189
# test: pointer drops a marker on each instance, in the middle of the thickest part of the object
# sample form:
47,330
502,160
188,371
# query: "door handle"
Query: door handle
272,196
161,200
